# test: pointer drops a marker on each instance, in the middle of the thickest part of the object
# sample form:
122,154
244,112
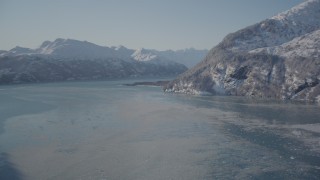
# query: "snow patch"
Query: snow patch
143,55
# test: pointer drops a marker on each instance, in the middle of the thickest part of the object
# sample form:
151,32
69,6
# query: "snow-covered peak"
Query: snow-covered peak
45,43
143,55
50,47
279,29
45,48
300,12
118,48
70,49
21,50
302,24
3,53
305,15
284,63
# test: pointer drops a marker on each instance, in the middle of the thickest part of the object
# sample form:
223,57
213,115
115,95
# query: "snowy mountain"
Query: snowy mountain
276,30
3,52
188,57
31,69
143,55
276,58
67,59
65,48
21,50
303,46
69,48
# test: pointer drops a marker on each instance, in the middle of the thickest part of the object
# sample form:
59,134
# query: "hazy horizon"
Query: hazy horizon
151,24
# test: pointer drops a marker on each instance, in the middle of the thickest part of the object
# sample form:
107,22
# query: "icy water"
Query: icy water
104,130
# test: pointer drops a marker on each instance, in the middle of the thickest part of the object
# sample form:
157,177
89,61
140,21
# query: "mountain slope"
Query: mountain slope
277,58
31,69
69,48
299,20
188,57
67,59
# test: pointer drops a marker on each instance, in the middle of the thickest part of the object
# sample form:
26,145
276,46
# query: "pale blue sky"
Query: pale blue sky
156,24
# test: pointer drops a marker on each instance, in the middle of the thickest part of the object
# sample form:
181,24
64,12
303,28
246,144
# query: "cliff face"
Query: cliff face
276,58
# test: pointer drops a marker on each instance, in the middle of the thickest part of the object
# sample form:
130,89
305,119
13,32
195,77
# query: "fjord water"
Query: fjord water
105,130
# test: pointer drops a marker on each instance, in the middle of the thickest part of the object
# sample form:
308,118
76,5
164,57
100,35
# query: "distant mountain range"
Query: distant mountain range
69,48
68,59
276,58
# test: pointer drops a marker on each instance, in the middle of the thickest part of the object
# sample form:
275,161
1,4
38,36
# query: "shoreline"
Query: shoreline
147,83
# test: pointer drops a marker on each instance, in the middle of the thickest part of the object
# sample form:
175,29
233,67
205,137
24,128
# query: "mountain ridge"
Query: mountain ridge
245,63
71,48
68,59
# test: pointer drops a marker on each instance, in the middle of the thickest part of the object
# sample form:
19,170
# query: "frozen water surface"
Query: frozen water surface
104,130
